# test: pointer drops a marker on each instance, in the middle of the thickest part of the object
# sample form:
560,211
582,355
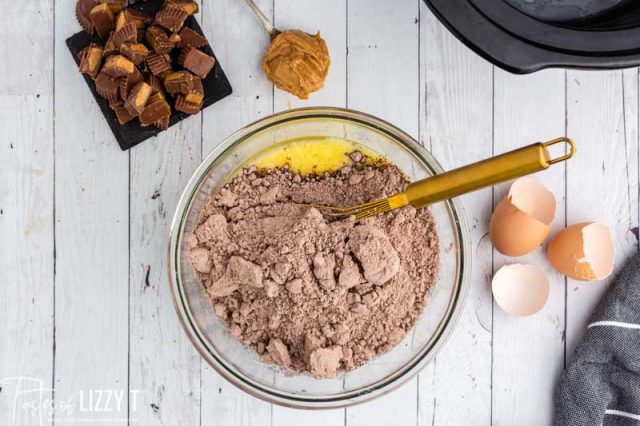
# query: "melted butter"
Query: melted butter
310,155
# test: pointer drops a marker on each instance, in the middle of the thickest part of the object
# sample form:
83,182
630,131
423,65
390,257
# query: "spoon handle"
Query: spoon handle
263,19
501,168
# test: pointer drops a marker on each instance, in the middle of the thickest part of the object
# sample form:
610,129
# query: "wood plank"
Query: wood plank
383,77
92,240
26,211
329,17
529,109
602,180
224,21
456,123
162,360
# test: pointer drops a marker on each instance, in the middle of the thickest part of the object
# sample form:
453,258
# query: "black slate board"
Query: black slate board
216,86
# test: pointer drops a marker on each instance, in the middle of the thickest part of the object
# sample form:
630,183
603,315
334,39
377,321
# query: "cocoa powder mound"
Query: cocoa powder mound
309,294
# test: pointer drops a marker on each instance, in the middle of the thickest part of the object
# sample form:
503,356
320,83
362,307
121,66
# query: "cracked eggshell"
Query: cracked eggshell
522,220
520,289
583,251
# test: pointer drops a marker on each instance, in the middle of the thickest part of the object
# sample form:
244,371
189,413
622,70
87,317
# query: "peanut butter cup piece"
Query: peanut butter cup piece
175,38
141,20
157,85
158,40
137,99
159,65
196,61
156,109
107,86
196,94
163,123
103,20
115,104
115,5
118,66
123,115
109,47
137,52
188,107
83,14
90,60
189,37
179,82
189,6
171,19
128,81
126,34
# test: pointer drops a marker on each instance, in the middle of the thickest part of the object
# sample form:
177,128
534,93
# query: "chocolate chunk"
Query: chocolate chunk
126,34
103,20
196,94
159,65
196,61
83,14
118,66
188,37
123,115
158,40
179,82
189,6
137,52
107,86
141,20
90,60
171,19
188,107
138,98
128,81
110,46
156,109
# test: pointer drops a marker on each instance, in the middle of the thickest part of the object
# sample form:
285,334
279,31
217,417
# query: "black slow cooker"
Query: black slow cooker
524,36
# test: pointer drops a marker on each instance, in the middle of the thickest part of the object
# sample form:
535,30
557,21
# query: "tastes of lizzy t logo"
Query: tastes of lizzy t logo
26,398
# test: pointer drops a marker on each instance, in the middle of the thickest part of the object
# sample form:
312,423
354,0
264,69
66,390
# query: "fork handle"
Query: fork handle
513,164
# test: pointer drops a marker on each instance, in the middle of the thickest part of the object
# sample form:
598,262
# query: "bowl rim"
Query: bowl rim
391,381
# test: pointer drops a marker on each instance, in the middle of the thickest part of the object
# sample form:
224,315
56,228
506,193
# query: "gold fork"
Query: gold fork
510,165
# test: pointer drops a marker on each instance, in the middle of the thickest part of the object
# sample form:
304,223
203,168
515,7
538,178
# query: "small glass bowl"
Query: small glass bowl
239,364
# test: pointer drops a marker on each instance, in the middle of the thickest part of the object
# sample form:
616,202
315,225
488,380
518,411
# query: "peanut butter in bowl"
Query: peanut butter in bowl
297,62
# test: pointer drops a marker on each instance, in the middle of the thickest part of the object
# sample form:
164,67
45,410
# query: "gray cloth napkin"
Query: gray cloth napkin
601,384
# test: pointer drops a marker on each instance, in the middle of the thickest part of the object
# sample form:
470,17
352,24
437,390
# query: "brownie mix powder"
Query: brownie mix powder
309,294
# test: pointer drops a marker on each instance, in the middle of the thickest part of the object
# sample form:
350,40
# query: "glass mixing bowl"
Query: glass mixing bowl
239,364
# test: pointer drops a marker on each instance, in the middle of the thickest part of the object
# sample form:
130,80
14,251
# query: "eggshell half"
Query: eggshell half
520,289
583,251
522,220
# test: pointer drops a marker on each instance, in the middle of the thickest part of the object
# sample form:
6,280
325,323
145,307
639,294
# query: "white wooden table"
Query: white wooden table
84,301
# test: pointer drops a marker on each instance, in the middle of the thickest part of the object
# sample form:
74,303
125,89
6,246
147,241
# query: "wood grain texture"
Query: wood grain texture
456,113
238,41
163,364
26,212
529,109
92,239
602,181
382,81
84,302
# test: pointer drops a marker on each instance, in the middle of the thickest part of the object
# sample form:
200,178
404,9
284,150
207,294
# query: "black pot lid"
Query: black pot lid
524,35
